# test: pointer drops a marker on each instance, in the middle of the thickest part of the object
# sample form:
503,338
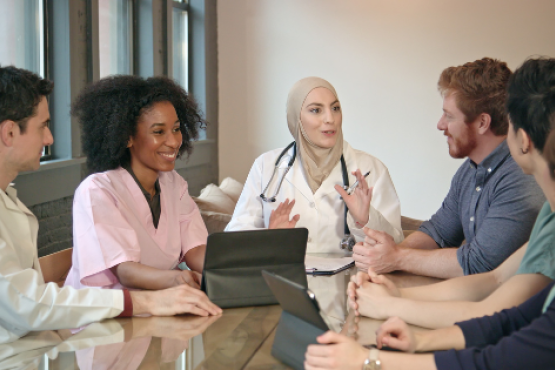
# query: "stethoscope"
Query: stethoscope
283,164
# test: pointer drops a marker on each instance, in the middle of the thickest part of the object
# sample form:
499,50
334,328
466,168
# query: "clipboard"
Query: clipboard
316,265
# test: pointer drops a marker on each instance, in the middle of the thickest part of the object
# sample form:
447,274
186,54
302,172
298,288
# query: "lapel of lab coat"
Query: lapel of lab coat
297,179
296,176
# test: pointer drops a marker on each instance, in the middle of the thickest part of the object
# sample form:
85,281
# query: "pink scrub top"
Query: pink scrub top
112,223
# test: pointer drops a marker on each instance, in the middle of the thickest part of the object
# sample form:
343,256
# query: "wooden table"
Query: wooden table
241,338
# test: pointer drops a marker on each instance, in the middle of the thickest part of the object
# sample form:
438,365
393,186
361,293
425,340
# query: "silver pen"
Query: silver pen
352,187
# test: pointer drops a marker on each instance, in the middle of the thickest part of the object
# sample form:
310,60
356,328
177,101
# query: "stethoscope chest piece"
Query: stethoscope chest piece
348,242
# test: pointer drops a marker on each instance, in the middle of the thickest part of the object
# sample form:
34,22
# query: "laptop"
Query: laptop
232,274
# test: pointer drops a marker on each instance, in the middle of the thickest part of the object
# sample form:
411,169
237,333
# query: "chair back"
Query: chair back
55,266
409,225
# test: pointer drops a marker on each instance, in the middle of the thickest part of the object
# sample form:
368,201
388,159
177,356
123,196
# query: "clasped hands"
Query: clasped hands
358,203
367,292
370,294
378,252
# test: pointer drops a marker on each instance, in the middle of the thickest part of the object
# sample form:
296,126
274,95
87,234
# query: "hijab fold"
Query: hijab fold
317,162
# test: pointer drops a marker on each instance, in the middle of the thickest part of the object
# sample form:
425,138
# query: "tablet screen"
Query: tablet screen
295,299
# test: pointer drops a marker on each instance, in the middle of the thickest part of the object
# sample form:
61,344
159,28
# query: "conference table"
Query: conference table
241,338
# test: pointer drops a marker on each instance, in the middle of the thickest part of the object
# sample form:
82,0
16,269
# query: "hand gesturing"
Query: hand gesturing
359,200
279,218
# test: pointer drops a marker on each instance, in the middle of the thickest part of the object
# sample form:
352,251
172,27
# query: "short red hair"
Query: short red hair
479,87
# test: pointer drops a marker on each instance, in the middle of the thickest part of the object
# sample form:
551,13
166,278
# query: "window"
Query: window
115,36
22,28
60,40
22,31
180,42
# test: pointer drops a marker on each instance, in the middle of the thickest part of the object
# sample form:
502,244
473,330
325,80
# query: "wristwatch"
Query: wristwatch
372,362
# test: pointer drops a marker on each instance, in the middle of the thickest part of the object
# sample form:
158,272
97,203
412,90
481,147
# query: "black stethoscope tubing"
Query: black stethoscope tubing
344,174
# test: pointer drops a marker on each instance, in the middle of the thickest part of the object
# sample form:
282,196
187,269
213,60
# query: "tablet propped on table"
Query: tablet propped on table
300,322
234,260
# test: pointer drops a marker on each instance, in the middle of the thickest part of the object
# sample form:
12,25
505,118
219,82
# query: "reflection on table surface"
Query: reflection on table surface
241,338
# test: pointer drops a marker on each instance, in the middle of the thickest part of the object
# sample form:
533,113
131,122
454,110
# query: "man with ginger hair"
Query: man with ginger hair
491,205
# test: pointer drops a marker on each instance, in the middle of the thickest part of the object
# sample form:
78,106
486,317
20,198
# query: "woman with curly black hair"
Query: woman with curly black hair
133,218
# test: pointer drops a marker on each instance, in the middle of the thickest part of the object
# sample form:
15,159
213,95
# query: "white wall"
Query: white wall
383,57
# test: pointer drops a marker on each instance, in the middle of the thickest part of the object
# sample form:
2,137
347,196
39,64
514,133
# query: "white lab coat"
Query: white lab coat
26,302
322,213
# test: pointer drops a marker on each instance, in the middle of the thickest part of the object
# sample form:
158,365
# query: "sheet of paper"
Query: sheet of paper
317,263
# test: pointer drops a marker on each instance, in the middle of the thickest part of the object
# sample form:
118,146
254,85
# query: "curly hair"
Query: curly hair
20,94
108,111
480,87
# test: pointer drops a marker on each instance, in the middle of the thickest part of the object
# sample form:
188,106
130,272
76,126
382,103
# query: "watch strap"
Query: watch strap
372,362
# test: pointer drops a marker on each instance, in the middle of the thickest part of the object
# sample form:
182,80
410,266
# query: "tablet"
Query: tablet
295,299
234,261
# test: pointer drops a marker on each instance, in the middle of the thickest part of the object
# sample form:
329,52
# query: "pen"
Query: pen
352,187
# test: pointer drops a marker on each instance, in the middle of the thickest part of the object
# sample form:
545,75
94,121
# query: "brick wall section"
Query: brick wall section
55,225
55,218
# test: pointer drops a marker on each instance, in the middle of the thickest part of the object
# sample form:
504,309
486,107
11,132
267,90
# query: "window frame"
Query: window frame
45,66
131,32
184,6
70,39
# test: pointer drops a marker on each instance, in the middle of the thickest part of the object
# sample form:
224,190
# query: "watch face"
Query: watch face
373,364
368,365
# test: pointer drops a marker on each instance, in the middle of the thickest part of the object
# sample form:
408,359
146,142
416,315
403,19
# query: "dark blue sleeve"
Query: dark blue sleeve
445,225
519,338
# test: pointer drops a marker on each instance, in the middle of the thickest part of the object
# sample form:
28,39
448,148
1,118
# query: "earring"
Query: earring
524,151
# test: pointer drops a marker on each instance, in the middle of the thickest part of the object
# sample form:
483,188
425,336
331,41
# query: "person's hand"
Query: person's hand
396,334
352,298
189,277
368,299
359,200
173,301
382,285
379,286
279,218
338,352
356,281
378,252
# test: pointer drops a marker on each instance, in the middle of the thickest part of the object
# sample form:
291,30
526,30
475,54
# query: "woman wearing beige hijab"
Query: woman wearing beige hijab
312,190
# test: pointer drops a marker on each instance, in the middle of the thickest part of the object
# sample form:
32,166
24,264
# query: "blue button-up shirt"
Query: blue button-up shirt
492,206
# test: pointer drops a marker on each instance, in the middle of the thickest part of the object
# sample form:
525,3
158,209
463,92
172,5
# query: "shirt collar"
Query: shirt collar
494,159
145,193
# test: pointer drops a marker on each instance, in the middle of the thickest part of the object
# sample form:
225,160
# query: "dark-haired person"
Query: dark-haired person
133,218
521,337
491,204
26,302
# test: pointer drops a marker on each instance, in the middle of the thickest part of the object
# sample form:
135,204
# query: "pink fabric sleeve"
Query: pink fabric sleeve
193,229
102,237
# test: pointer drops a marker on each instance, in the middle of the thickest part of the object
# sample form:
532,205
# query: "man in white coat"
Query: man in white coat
26,302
